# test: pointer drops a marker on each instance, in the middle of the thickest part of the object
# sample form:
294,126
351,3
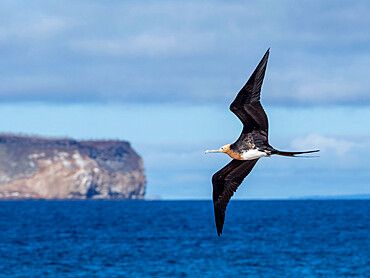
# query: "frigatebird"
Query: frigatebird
250,146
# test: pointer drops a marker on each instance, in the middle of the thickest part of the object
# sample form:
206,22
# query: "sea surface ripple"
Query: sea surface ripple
179,239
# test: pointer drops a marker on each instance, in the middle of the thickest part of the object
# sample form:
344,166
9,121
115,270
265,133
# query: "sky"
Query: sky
162,74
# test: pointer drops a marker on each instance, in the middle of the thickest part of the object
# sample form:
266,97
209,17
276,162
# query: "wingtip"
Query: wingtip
219,230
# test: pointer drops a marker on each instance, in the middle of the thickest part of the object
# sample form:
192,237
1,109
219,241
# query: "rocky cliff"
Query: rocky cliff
37,168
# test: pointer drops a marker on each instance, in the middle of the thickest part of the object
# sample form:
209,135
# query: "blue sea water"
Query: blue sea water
179,239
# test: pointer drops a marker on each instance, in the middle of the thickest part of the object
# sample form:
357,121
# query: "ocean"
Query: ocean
179,239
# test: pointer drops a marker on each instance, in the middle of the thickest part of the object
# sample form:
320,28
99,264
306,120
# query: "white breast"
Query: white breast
252,154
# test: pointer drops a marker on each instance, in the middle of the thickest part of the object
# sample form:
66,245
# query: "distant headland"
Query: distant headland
40,168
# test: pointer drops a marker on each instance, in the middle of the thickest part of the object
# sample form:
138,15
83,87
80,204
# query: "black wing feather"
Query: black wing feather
225,183
247,106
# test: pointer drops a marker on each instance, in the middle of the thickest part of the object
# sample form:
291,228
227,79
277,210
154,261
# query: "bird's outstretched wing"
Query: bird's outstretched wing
247,106
225,183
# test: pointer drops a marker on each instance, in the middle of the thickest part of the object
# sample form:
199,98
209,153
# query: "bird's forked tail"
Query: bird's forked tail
294,154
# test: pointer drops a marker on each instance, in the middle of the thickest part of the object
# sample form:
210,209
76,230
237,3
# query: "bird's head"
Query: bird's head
223,149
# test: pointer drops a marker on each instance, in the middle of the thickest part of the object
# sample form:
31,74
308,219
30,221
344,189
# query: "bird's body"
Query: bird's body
253,154
248,153
251,145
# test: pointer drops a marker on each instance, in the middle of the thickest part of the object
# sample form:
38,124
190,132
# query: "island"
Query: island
41,168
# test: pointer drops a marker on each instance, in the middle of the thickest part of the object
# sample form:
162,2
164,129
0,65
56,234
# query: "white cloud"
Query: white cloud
207,49
37,27
315,141
318,80
145,44
23,83
327,91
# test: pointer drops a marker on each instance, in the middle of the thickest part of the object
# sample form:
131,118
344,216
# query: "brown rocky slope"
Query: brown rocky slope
37,168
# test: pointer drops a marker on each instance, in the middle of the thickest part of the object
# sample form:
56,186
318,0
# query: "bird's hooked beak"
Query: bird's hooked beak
213,151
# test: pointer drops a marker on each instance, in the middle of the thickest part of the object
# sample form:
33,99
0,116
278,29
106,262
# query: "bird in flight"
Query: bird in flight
251,145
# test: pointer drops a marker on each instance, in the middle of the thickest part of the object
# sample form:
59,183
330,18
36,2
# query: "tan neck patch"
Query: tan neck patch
234,155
